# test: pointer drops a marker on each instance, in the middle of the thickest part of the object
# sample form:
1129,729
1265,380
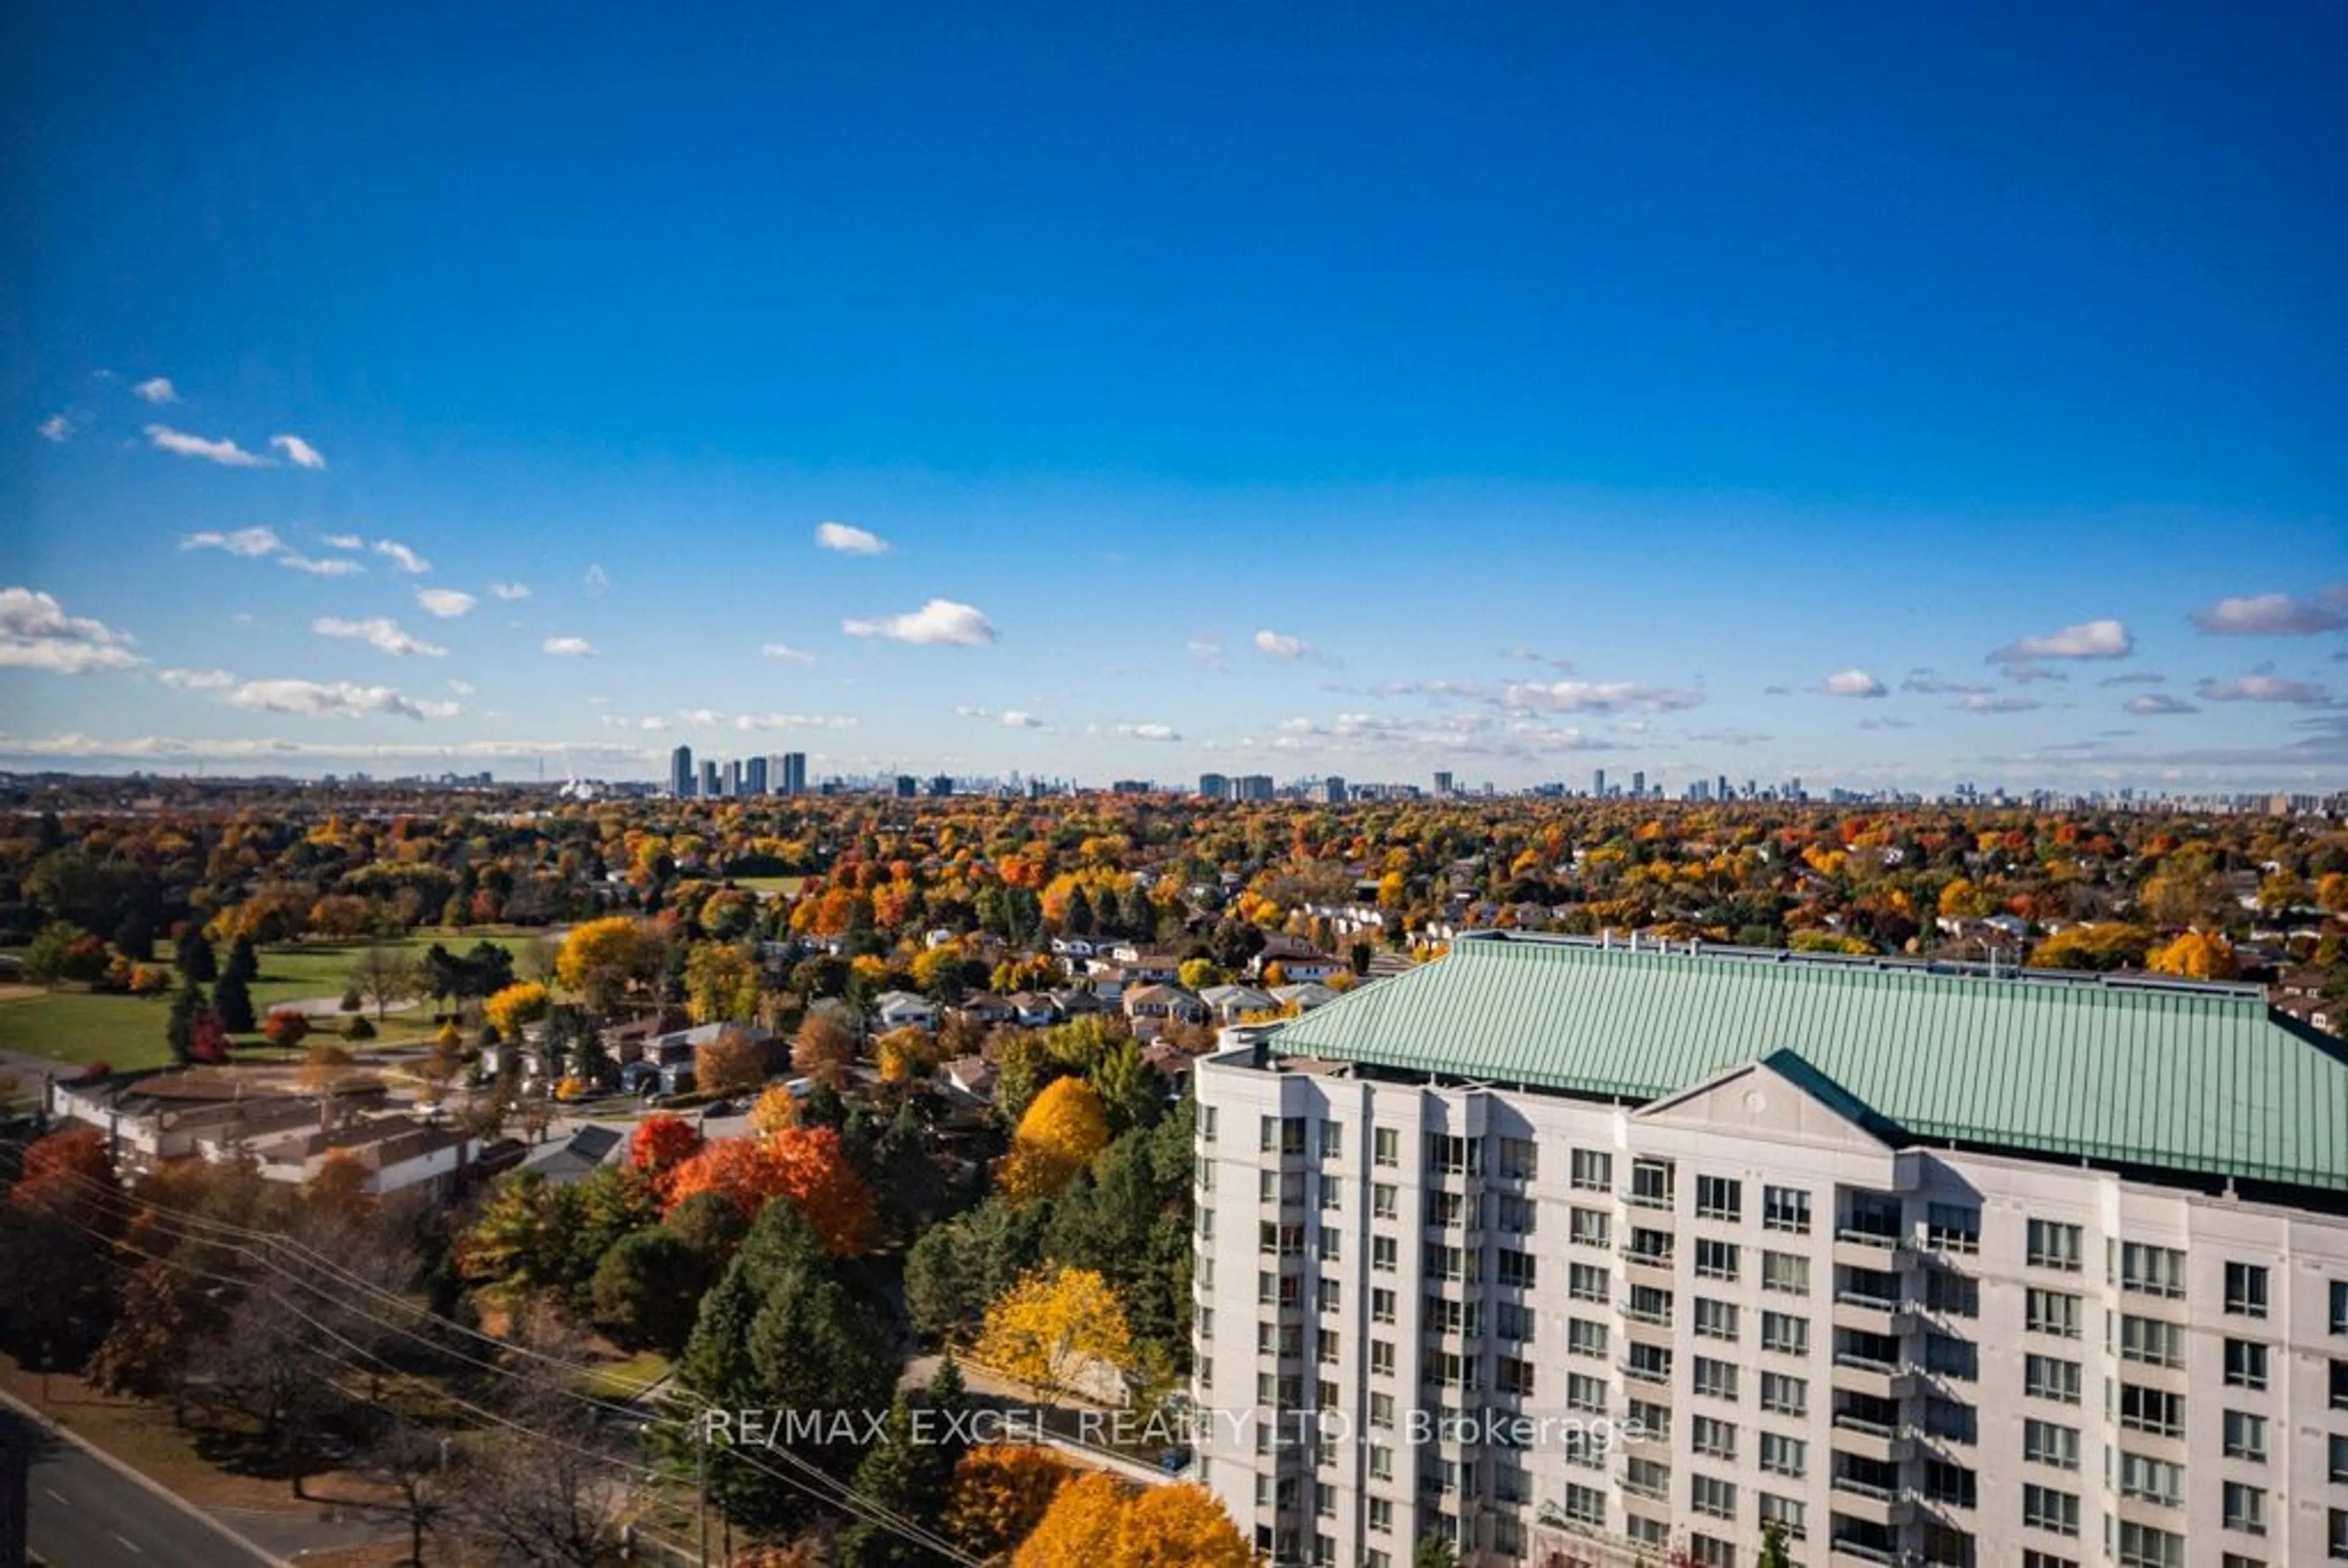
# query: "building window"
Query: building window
1385,1147
2245,1436
1514,1214
1715,1378
2052,1312
2030,1559
1786,1513
2245,1289
1784,1396
2246,1508
1785,1334
1709,1494
2152,1270
1952,1295
2053,1244
1329,1241
1589,1282
1332,1191
1383,1252
2335,1535
1952,1227
1872,1216
2043,1508
2246,1364
1652,1184
1207,1120
1382,1358
1651,1247
1516,1324
1382,1200
1589,1227
1511,1376
2339,1385
1447,1156
2336,1459
1520,1160
1786,1209
2154,1410
1585,1393
1585,1337
2043,1442
1514,1267
1593,1171
1786,1271
2151,1341
2340,1306
1650,1303
1650,1421
1382,1307
1330,1294
1715,1259
1951,1483
1782,1455
1713,1438
1649,1364
1585,1504
1647,1478
1719,1198
1716,1319
1958,1358
1332,1140
2152,1479
1704,1552
2142,1546
2050,1378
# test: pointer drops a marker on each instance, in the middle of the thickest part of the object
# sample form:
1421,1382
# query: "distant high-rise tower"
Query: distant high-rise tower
1214,786
1443,784
1598,784
680,772
753,776
794,772
1638,785
709,779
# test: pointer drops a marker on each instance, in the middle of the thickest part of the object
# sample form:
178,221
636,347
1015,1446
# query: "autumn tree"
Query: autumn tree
999,1492
383,975
775,1110
2195,955
814,1172
1054,1328
906,1054
284,1027
602,959
731,1063
739,1170
824,1050
71,1174
514,1008
1057,1137
1178,1526
660,1144
721,984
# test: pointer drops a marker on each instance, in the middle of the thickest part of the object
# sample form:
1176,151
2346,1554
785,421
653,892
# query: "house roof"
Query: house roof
2199,1078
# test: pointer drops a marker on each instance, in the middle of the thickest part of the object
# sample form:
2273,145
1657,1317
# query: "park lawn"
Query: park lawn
127,1032
624,1379
771,887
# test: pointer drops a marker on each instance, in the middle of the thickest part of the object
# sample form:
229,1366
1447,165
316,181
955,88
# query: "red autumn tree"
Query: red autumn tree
738,1170
661,1143
284,1026
71,1174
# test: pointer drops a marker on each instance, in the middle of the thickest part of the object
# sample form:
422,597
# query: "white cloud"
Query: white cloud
785,652
850,540
1598,697
939,621
298,452
196,679
334,700
56,427
446,604
510,592
1016,719
1853,683
2273,615
344,541
1143,731
461,688
2158,704
1885,723
2088,639
792,721
406,559
2265,689
595,581
332,566
376,631
250,543
1280,645
35,633
158,391
1206,649
568,648
1984,702
226,453
654,724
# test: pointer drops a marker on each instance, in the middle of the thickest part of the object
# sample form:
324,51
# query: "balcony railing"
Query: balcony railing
1851,1423
1891,1239
1644,1374
1858,1488
1846,1546
1858,1363
1868,1300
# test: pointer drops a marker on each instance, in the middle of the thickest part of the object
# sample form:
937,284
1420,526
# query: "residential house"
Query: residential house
903,1009
1229,1004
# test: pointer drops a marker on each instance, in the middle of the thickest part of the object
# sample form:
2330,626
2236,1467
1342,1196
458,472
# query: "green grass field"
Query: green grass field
128,1031
773,887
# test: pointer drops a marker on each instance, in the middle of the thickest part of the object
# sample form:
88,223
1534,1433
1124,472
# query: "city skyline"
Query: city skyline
1511,399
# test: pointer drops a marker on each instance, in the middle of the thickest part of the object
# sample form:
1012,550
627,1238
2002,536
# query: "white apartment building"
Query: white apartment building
1926,1265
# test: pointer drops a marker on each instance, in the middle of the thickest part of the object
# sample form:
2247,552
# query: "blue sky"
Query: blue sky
1518,390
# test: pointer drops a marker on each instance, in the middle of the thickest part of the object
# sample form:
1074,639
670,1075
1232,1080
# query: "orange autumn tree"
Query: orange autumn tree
71,1174
1079,1530
660,1144
814,1172
1058,1136
999,1492
738,1170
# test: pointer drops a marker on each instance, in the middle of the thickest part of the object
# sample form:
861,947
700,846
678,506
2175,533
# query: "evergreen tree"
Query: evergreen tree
234,1001
195,956
179,1031
1078,921
243,961
896,1474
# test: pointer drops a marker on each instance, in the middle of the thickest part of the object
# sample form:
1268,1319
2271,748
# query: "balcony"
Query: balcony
1878,1250
1875,1314
1885,1505
1876,1379
1879,1440
1655,1265
1637,1373
1852,1550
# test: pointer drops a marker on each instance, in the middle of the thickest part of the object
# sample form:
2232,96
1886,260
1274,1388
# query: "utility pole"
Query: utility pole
701,1492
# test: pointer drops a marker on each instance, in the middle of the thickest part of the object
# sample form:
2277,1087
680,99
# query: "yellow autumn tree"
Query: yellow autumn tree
1079,1530
1057,1137
517,1006
600,959
1053,1327
721,984
2195,956
1179,1526
906,1054
774,1111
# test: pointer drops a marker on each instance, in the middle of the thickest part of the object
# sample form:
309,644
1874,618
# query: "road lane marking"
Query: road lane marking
59,1496
128,1542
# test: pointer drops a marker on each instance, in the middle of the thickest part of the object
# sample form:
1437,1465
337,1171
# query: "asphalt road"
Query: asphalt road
83,1512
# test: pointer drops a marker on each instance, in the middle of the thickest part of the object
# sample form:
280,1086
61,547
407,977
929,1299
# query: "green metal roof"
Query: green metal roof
2189,1078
